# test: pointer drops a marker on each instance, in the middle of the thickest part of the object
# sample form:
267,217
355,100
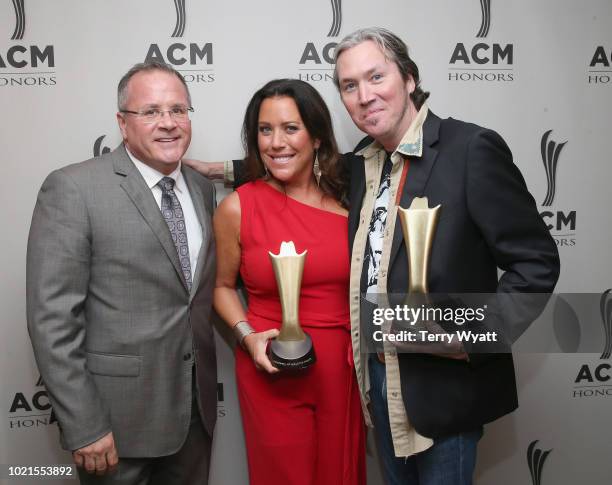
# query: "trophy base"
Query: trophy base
292,354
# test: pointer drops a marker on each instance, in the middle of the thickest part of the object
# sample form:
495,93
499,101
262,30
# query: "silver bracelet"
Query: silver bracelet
241,330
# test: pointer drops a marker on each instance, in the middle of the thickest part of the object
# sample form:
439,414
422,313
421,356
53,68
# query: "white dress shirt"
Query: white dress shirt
192,225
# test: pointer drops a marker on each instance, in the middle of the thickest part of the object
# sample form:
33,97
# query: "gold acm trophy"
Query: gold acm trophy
419,224
293,348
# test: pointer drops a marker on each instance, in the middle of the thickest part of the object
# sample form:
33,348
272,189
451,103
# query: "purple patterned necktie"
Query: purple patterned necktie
173,214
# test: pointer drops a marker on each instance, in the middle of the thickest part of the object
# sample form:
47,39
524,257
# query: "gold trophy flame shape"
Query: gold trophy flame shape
419,224
293,348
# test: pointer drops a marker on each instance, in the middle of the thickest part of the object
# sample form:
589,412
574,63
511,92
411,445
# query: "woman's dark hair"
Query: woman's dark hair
316,119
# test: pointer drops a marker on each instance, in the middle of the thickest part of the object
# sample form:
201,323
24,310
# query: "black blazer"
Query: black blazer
488,220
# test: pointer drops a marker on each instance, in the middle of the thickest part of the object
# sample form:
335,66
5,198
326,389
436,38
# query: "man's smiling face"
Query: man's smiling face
163,143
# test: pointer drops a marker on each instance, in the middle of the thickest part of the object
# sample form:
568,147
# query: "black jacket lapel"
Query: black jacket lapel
356,193
417,177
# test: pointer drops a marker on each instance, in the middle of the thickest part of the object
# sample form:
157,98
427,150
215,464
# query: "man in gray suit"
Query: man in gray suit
120,273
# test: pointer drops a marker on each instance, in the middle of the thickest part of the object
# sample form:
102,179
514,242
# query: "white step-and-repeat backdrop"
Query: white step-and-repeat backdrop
538,72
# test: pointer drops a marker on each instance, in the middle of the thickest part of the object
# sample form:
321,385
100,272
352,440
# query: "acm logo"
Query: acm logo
536,457
19,31
26,65
482,61
194,59
485,9
320,55
600,71
179,28
98,148
593,380
561,223
31,409
605,308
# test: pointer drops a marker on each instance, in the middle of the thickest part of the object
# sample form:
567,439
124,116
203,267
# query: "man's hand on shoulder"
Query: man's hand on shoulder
210,170
99,457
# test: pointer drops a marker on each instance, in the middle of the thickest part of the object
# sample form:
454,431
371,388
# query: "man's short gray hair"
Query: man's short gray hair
145,67
393,48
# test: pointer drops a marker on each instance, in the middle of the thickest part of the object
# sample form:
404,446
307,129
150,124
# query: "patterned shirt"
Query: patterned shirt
377,227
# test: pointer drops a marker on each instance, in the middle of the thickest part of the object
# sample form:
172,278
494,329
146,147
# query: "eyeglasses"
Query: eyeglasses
180,114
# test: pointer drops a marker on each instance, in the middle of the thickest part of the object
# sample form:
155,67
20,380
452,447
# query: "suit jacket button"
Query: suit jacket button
186,357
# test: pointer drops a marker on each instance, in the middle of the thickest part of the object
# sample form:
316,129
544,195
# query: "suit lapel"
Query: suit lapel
357,191
140,194
418,175
198,198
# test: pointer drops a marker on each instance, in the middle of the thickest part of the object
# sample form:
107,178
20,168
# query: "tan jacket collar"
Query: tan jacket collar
412,141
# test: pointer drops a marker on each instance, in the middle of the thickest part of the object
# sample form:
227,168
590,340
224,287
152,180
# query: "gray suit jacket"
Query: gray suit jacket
114,328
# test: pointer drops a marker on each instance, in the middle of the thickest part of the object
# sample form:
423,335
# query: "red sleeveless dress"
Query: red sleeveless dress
303,428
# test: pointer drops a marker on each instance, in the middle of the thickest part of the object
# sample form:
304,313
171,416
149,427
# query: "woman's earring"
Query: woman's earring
316,169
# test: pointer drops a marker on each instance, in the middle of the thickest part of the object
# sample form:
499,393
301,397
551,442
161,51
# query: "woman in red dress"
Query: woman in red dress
301,427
